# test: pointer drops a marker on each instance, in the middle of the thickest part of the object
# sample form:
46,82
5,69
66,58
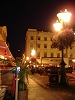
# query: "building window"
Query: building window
51,38
32,37
45,38
71,56
64,55
38,38
38,45
51,54
70,47
51,47
45,45
38,54
31,45
58,54
45,54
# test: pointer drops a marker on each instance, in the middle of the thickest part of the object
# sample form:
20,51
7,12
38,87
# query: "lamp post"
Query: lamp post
62,41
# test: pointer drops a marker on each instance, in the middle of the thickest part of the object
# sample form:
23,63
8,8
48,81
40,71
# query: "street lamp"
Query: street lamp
33,55
27,58
63,39
57,26
64,16
33,52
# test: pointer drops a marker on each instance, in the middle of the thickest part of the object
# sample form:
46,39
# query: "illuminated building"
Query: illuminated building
41,41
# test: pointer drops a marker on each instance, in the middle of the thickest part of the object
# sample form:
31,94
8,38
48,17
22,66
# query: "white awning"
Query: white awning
46,61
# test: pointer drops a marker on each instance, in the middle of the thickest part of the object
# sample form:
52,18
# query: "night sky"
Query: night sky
19,15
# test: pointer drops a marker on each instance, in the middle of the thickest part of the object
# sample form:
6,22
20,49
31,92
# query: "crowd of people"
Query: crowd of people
40,70
46,70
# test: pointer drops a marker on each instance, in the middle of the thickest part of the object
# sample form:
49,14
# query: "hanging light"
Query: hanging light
64,16
57,26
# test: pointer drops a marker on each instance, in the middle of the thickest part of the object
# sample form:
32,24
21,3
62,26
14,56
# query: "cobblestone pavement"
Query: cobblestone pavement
67,93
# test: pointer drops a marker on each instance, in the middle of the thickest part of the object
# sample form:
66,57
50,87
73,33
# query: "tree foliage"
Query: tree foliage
63,39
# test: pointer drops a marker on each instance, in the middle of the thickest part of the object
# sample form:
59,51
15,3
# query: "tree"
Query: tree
63,39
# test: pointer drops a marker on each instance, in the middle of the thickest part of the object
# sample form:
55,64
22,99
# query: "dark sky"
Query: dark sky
19,15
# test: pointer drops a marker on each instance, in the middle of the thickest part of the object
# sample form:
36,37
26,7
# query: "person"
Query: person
32,70
26,74
41,71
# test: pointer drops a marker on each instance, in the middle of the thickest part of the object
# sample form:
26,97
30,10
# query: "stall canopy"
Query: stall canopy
4,51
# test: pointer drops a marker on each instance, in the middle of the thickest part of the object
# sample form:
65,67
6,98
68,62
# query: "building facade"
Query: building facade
41,42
